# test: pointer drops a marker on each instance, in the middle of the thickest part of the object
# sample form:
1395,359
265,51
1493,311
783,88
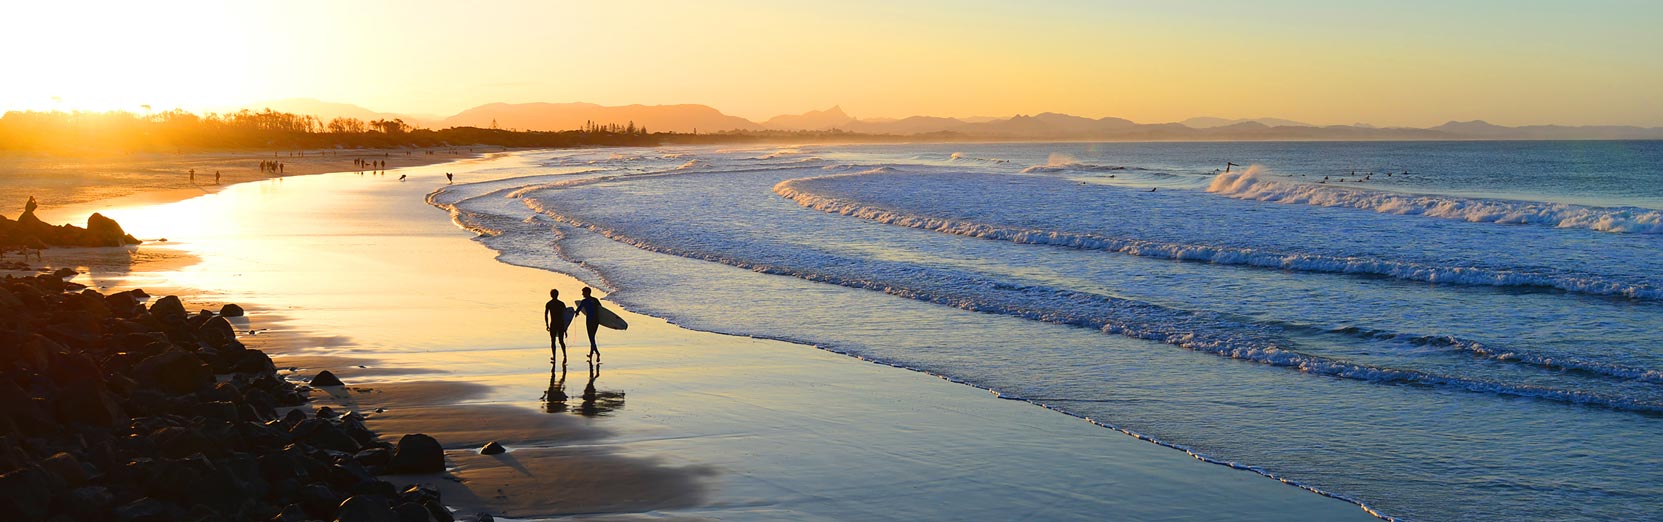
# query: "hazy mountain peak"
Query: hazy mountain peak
833,118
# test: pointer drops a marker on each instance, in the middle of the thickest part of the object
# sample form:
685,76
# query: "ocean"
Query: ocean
1432,330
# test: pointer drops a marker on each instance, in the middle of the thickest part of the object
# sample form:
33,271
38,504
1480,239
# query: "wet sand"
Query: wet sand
356,274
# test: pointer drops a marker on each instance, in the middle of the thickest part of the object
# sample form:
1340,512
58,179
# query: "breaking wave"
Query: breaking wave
1305,262
1193,330
1254,183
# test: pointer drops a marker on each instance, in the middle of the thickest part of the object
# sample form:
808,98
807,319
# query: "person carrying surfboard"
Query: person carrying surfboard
590,308
555,320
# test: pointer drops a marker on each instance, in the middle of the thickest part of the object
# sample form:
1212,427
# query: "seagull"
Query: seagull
401,177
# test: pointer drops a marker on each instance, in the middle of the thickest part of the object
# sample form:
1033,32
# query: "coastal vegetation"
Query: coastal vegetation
181,131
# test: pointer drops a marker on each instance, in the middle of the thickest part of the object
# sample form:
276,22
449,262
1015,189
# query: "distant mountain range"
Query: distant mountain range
1044,126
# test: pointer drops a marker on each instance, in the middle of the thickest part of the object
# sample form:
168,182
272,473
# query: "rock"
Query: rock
326,378
319,500
484,517
418,493
325,413
103,231
351,477
366,508
66,468
418,453
25,494
254,361
437,511
88,403
411,512
168,308
491,448
89,501
65,272
230,310
146,510
174,371
373,457
290,513
217,332
326,435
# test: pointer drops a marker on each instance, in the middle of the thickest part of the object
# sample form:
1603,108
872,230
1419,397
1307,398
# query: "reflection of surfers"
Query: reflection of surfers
554,399
590,308
597,402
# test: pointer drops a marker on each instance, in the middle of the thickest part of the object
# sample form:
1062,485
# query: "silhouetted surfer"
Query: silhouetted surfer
554,320
590,308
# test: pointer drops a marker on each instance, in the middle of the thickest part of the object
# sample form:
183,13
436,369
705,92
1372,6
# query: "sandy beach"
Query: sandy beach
67,185
357,275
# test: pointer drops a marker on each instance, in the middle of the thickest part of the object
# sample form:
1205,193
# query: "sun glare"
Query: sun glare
125,56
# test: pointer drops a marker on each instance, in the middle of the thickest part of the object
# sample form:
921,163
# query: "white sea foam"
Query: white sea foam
1059,162
1306,262
960,156
1201,332
1255,183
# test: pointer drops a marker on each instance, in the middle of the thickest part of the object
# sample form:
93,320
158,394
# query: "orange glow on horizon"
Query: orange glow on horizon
1408,63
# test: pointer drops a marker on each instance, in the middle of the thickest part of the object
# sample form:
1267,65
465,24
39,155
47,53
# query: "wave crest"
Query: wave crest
1254,183
1460,275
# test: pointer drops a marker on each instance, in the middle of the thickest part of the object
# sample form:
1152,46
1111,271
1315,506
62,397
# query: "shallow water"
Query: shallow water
359,275
1478,334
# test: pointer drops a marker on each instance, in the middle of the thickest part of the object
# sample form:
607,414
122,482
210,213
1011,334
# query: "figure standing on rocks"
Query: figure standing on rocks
555,321
590,308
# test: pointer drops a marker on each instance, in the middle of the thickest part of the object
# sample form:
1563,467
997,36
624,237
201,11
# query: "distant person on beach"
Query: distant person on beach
193,175
590,308
216,177
554,320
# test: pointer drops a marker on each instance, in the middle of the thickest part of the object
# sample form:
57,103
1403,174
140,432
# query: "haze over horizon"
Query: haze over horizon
1415,64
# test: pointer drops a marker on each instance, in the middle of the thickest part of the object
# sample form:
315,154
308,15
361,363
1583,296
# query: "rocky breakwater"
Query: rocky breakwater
114,410
29,232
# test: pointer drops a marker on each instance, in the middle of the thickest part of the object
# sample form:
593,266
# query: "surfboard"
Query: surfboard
566,318
609,319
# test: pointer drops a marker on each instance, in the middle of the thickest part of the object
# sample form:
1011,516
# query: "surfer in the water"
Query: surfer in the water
554,320
590,308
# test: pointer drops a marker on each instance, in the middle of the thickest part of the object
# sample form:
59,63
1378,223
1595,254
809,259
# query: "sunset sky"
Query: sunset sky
1399,62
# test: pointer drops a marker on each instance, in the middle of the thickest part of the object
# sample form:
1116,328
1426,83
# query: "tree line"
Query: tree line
178,131
182,131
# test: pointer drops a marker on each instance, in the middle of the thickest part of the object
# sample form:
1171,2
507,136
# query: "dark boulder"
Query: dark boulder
366,508
418,453
373,457
216,332
174,371
103,231
168,309
231,310
87,403
326,378
411,512
290,513
25,494
86,503
147,510
492,448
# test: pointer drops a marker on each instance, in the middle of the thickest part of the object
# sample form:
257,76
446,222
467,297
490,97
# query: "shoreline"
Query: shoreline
70,187
396,375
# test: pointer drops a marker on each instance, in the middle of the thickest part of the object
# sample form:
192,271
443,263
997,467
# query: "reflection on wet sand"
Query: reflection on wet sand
594,402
